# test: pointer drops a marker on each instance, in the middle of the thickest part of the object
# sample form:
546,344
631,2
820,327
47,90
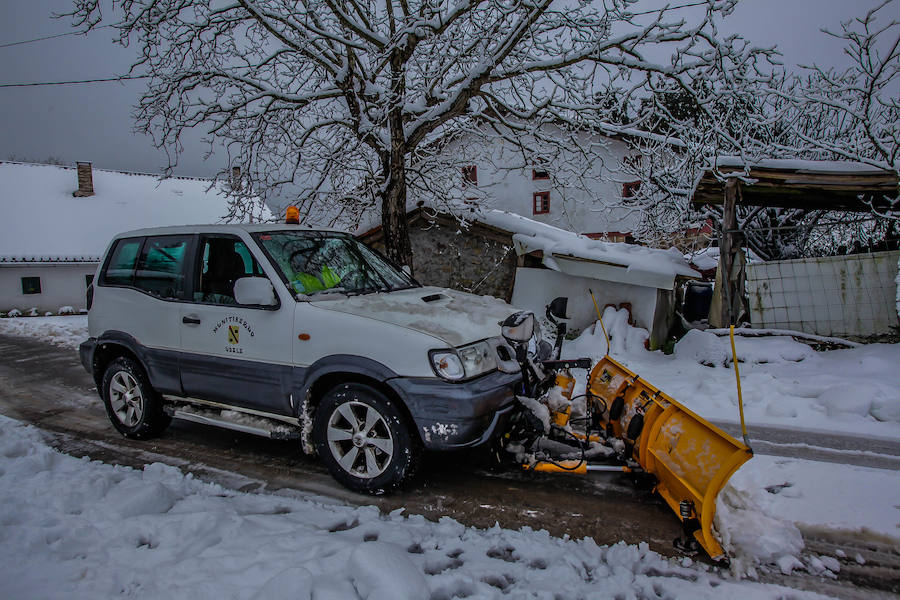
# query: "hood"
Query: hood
456,317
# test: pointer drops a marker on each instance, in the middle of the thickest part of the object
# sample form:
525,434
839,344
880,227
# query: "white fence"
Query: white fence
853,295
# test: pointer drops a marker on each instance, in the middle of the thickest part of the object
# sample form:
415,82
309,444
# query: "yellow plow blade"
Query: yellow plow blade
691,458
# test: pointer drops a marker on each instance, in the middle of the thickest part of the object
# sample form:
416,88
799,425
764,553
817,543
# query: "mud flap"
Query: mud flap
691,458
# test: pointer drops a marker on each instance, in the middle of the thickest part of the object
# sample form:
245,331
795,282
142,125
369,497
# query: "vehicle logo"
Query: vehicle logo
233,333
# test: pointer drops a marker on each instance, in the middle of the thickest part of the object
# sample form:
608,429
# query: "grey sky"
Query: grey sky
93,122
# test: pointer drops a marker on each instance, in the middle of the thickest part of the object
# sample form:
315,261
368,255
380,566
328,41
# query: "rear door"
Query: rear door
232,353
141,288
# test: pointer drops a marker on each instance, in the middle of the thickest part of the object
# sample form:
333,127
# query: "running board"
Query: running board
280,432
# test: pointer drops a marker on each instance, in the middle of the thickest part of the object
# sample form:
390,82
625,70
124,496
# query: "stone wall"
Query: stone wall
480,259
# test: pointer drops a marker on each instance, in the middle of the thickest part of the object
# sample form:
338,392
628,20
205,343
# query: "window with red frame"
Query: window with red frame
540,173
629,190
470,174
541,203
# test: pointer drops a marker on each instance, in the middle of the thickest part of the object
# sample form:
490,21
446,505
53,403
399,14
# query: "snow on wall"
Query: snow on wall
46,220
837,296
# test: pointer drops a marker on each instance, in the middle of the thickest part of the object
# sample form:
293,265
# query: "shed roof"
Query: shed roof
43,222
804,184
575,254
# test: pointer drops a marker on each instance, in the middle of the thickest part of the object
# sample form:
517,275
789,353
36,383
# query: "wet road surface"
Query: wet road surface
47,386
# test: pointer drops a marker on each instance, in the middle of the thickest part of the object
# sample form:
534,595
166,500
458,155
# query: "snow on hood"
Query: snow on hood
455,317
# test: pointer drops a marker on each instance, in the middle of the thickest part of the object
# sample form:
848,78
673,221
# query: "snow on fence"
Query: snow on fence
834,296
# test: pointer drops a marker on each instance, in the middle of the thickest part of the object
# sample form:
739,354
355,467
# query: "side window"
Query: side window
120,269
160,270
223,260
31,285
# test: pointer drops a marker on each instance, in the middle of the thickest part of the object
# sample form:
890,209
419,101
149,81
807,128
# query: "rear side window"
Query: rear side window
160,270
120,270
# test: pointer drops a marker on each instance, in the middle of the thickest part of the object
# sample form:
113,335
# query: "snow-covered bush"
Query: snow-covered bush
48,314
714,351
66,310
33,312
14,313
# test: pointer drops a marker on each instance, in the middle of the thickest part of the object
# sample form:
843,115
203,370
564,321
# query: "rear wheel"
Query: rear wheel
132,405
364,439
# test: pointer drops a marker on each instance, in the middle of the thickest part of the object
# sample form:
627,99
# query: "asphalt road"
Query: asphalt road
46,386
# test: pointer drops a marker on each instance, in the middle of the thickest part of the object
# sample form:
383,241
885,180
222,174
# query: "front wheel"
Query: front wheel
364,440
133,406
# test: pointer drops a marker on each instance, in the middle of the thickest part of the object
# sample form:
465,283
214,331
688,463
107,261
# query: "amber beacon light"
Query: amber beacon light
292,215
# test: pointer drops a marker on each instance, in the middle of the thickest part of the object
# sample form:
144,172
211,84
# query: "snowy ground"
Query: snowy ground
757,512
784,382
68,331
72,528
788,384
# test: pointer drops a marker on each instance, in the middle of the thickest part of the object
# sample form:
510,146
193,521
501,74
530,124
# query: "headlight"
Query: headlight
464,363
447,365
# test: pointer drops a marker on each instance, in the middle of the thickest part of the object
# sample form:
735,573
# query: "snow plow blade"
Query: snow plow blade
691,458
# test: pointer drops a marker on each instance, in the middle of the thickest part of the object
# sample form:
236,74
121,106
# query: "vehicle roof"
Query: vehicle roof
222,228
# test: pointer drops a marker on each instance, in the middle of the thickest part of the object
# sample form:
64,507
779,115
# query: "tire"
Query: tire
364,439
132,405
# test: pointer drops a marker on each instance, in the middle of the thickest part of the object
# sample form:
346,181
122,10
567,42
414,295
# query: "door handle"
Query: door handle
190,320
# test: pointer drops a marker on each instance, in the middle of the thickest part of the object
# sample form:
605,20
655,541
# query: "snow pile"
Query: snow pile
715,351
67,331
756,509
76,529
748,529
623,337
785,383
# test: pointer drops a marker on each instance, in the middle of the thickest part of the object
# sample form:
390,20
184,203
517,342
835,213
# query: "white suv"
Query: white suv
289,332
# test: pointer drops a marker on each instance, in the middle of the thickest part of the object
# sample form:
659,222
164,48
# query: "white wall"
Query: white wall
581,202
839,296
535,288
62,284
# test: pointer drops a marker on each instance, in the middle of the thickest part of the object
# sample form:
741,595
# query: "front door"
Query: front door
231,353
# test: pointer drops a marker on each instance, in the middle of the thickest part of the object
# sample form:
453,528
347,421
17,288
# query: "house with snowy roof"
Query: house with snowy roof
578,190
529,263
58,221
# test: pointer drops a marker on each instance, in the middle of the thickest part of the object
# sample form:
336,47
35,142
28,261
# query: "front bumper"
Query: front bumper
86,354
452,416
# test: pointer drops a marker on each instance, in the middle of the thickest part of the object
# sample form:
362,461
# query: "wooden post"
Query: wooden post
731,259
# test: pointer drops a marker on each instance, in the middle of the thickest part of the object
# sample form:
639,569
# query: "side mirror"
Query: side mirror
255,290
559,308
518,327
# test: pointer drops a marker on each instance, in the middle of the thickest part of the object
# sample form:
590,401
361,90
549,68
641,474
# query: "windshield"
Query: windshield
314,262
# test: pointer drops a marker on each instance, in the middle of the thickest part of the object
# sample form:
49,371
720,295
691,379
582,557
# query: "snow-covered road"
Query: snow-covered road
806,493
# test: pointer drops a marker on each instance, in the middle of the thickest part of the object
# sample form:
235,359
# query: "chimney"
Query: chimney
236,179
85,180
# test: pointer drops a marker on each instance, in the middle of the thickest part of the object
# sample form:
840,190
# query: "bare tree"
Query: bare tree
338,97
816,113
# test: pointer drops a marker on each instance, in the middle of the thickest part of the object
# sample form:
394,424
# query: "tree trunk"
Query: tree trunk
393,207
393,211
